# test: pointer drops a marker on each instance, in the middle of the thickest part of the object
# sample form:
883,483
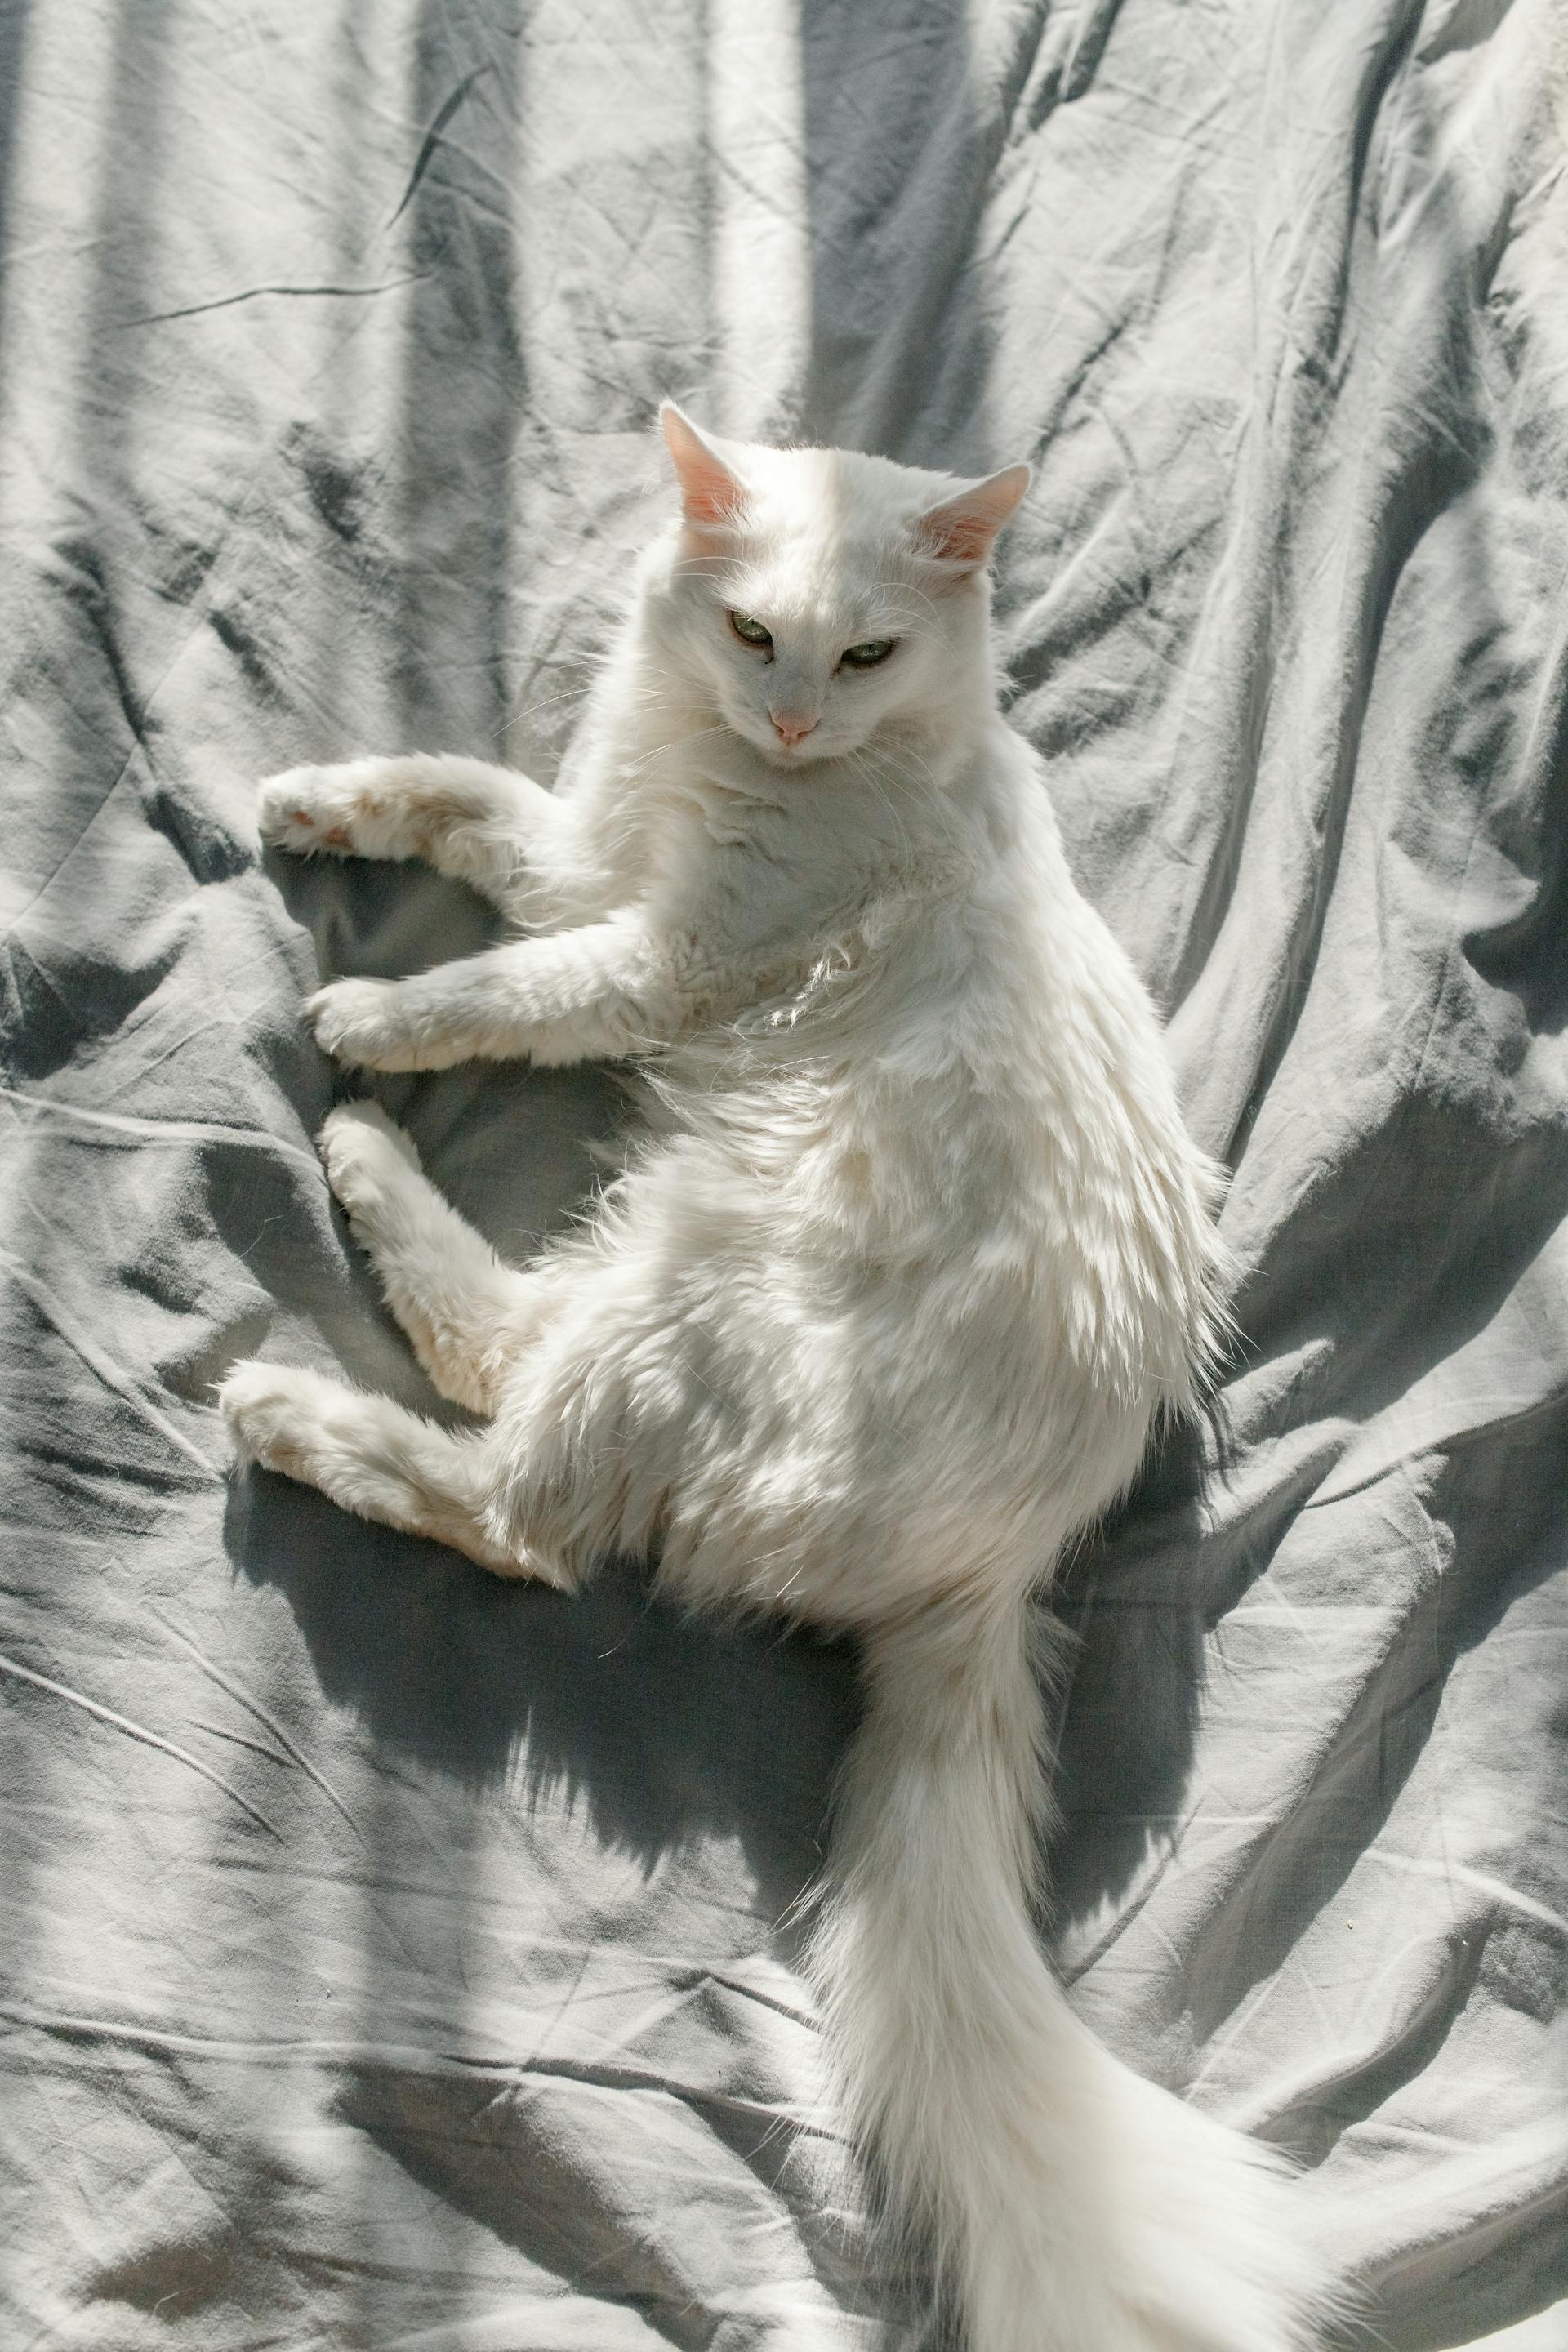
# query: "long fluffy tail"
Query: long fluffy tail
1075,2207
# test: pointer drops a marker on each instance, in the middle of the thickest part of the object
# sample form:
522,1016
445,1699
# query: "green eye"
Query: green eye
866,656
749,632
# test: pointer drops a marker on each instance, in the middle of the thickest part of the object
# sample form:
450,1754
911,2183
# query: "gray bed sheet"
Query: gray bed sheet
396,1959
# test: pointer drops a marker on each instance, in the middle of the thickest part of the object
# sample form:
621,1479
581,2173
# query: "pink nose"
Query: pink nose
791,731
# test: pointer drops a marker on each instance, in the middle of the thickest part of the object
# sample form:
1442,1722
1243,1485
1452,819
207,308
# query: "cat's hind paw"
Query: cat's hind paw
272,1411
361,1148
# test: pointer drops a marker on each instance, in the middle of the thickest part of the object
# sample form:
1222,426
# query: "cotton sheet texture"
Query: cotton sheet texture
396,1959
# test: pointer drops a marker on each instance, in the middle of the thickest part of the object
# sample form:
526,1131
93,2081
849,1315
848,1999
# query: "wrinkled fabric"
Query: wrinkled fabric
393,1958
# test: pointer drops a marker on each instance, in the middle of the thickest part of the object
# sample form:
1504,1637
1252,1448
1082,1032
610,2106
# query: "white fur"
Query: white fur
914,1255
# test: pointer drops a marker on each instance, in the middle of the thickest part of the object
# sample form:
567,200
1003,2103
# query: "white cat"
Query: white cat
914,1255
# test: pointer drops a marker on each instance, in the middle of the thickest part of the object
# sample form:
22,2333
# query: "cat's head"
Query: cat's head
819,597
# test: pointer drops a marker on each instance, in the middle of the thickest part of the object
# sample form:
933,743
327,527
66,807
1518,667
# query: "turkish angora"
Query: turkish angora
913,1255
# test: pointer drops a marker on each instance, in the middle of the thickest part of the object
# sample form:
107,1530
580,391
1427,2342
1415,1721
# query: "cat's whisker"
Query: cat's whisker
522,712
863,763
677,744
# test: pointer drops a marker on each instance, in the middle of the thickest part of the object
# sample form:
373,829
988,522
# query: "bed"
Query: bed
392,1958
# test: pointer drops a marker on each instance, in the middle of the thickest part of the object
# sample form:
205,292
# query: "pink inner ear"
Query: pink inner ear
709,494
961,537
964,530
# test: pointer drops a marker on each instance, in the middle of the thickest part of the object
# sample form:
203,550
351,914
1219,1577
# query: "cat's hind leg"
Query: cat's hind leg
467,1314
470,820
372,1458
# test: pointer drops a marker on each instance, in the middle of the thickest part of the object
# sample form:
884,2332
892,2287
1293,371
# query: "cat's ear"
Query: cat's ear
711,495
962,530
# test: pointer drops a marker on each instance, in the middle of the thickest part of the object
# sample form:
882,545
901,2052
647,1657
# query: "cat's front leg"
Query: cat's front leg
482,825
596,993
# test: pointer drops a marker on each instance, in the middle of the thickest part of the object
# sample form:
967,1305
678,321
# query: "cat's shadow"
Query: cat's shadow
1137,1600
669,1731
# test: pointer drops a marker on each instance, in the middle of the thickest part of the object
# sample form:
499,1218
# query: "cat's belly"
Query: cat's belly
847,1474
801,1428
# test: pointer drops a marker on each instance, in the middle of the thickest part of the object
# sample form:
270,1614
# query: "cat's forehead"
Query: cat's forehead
813,586
825,528
834,495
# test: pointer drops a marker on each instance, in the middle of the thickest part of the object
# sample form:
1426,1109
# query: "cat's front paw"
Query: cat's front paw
351,809
307,811
356,1022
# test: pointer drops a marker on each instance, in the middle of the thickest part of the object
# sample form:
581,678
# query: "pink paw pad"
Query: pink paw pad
337,839
301,816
